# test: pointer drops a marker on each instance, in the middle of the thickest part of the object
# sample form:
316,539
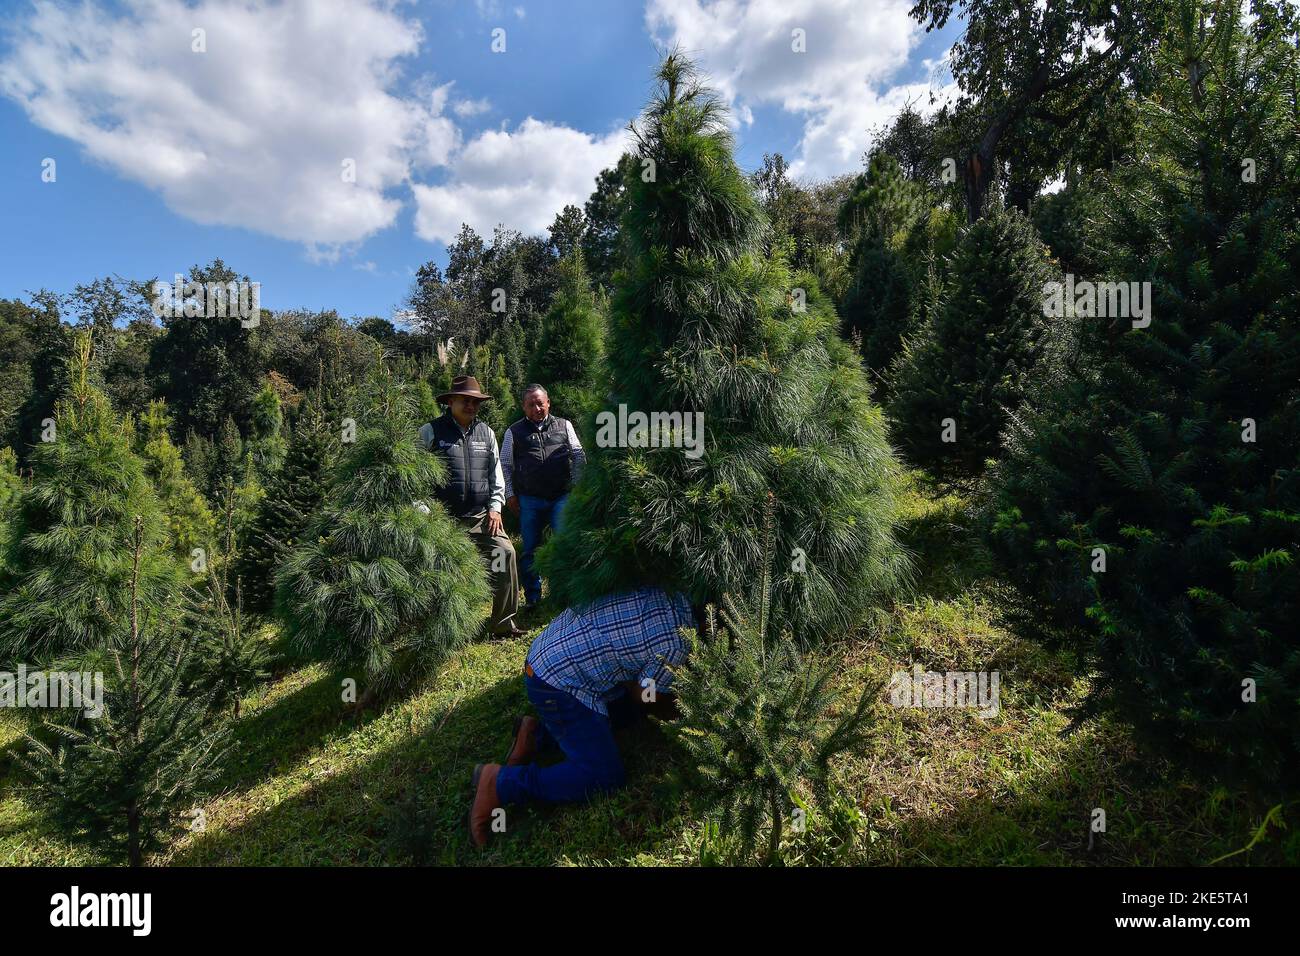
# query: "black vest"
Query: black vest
469,473
542,458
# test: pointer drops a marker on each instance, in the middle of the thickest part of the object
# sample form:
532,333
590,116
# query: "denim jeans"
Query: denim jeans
591,762
534,516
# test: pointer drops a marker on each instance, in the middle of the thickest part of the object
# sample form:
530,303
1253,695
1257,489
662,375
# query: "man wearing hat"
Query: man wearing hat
476,490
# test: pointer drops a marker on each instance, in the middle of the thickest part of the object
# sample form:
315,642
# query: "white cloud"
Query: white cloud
842,85
467,108
254,131
520,178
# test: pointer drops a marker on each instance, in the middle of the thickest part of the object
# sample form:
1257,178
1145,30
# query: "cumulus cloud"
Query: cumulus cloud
520,178
252,132
843,84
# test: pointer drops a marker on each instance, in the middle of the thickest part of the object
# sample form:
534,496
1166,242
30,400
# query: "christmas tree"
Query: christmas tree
268,445
190,524
121,778
381,575
70,560
756,722
962,376
293,495
11,487
877,217
766,398
569,352
1154,499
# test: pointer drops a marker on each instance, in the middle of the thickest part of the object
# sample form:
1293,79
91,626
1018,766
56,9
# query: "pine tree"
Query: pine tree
229,465
121,779
381,575
1154,500
569,352
293,495
190,524
877,217
703,324
960,378
756,721
229,659
71,543
268,445
490,370
11,488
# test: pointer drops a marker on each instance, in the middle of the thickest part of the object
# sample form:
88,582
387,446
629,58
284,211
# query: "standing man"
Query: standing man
475,491
542,458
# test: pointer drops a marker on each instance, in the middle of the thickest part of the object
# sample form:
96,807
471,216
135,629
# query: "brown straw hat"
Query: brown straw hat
463,385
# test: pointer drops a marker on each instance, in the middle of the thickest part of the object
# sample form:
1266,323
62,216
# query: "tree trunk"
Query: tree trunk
774,841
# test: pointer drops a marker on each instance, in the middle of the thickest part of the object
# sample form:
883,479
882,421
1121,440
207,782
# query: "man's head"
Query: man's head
464,399
537,404
464,408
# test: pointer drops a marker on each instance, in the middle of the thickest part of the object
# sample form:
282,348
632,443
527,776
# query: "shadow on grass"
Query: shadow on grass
1154,815
274,737
949,555
407,802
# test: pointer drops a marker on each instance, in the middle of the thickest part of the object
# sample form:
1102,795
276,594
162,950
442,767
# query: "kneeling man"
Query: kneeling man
475,491
591,668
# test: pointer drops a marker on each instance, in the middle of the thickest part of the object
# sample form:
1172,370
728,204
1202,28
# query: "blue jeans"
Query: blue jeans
534,516
591,762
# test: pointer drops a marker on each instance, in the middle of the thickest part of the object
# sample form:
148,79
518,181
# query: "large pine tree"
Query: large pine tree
66,588
702,323
381,576
1155,500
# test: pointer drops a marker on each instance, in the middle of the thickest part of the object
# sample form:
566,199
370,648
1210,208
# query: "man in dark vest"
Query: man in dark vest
475,490
542,458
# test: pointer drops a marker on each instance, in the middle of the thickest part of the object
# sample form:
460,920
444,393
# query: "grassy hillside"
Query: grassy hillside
312,783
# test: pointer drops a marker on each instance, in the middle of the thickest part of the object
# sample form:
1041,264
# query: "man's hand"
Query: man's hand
513,504
494,524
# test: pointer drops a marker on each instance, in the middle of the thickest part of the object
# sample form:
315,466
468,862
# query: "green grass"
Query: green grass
313,783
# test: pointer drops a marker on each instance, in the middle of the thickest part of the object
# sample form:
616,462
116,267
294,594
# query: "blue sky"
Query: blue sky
172,148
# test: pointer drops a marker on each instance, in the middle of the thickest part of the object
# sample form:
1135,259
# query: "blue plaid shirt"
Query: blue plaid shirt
590,651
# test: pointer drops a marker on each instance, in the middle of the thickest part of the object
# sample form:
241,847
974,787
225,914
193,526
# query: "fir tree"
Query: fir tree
71,543
702,323
490,370
229,466
1154,500
381,575
229,659
756,721
190,524
961,377
569,352
293,495
121,779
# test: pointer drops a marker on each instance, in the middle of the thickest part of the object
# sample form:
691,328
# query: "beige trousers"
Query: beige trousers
503,571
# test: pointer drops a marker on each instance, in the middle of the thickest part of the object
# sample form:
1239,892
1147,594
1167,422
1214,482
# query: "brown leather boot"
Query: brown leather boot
485,801
525,742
